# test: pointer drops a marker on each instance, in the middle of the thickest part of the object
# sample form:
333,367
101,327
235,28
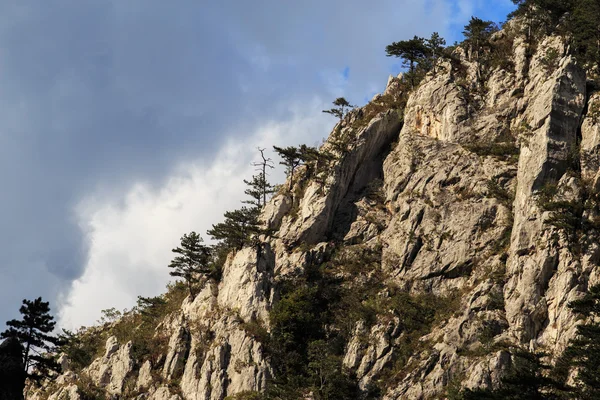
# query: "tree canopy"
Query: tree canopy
341,109
34,332
477,33
238,229
193,260
411,51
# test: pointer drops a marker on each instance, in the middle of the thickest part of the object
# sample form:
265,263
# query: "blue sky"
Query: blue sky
124,124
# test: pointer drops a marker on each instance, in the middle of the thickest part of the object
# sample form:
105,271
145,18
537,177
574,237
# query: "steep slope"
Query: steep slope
441,219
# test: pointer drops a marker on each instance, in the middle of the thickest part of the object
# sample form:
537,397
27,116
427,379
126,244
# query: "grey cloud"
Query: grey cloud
95,95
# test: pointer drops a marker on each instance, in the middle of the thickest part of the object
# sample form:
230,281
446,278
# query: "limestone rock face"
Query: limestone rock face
111,370
448,191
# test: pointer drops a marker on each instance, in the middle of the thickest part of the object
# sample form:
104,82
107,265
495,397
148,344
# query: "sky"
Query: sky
125,124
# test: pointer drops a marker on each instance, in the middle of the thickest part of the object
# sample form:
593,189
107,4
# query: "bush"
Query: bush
506,151
83,347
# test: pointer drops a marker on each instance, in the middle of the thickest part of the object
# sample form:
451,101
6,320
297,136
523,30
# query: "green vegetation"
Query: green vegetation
526,379
506,151
569,215
583,353
420,55
291,159
192,264
238,228
477,34
259,188
576,20
81,348
318,313
413,52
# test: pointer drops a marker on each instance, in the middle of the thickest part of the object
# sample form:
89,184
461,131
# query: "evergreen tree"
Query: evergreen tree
436,45
525,380
583,352
585,22
477,33
34,332
192,262
256,191
342,108
151,307
238,229
411,51
259,186
542,14
291,159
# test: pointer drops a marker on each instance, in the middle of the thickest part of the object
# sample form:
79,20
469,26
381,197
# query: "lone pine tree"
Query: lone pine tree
291,159
259,188
193,261
34,332
342,108
477,33
412,52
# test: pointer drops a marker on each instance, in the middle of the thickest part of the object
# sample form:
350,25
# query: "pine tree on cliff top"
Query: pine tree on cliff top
193,260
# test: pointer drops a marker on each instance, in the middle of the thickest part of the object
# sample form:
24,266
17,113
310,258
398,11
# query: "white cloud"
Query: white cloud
131,234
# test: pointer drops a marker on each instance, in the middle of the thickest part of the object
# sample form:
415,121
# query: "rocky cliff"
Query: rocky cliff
441,194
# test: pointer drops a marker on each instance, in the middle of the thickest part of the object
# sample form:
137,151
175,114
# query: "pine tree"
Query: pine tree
238,229
526,379
193,260
411,51
477,34
586,32
436,45
583,352
342,108
34,332
542,14
291,159
150,307
261,184
255,191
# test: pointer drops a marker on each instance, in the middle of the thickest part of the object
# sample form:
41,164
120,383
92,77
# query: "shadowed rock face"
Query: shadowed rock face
12,376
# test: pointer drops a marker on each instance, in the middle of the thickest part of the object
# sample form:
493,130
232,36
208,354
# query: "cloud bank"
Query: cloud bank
124,124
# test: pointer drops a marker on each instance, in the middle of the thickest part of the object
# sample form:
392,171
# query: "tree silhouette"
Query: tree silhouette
477,33
342,108
436,45
193,260
291,159
542,13
583,352
586,32
34,332
259,186
411,51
